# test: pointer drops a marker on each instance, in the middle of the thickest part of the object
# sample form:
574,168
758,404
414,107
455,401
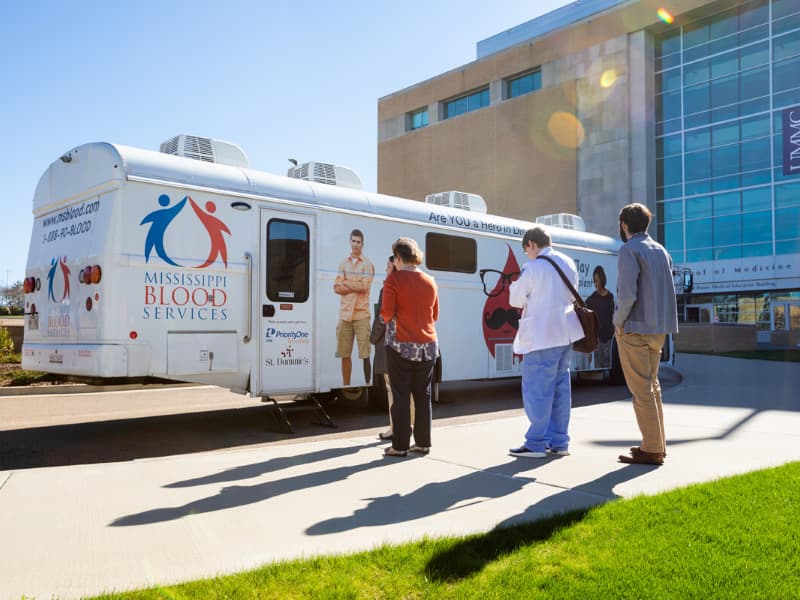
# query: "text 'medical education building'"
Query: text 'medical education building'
691,107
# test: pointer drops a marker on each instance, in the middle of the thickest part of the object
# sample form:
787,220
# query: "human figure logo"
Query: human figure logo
58,263
161,219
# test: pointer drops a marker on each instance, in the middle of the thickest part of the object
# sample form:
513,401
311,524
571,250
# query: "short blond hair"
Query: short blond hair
408,250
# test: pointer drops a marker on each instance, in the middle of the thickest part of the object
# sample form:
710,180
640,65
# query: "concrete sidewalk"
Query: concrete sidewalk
84,529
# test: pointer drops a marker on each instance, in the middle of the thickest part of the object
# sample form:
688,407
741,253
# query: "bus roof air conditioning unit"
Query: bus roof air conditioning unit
462,200
326,173
206,149
563,220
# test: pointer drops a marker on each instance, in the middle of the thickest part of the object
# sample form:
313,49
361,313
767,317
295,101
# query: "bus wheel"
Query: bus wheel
378,395
357,397
615,375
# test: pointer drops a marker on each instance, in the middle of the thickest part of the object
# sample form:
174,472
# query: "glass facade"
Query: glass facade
465,104
722,82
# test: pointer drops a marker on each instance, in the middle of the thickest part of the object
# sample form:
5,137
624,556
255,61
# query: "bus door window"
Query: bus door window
287,261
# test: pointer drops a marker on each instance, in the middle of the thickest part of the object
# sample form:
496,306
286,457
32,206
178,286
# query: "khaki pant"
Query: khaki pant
640,355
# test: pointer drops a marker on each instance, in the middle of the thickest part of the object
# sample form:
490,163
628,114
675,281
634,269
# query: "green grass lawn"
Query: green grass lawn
734,538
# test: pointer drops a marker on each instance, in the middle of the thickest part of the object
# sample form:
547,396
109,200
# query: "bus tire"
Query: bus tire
357,397
615,375
378,395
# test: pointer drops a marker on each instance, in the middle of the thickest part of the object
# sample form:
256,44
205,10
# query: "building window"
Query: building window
465,104
523,84
451,253
416,119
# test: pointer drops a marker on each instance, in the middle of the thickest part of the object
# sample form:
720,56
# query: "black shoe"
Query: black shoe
523,452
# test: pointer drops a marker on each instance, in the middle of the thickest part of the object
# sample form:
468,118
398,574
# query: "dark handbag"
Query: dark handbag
588,318
378,330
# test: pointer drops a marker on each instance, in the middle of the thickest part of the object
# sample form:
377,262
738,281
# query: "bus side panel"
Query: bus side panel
476,324
183,280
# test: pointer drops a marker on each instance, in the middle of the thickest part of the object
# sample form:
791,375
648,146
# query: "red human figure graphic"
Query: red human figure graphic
65,272
215,227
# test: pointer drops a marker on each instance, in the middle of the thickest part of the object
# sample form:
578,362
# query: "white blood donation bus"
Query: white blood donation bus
148,264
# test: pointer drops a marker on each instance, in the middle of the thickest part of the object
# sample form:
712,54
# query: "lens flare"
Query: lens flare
608,78
565,129
665,16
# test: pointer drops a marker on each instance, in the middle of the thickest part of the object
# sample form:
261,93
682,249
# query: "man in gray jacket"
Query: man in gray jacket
646,311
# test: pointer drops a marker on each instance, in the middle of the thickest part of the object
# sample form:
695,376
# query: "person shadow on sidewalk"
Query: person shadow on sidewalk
536,524
241,495
433,498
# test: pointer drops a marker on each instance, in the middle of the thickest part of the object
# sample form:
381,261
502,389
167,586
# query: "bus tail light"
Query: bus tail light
96,274
90,275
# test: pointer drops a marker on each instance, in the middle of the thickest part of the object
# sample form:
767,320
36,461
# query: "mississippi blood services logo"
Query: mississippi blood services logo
58,283
171,226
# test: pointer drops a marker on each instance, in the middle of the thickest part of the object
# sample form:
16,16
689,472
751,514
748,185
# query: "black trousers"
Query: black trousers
409,379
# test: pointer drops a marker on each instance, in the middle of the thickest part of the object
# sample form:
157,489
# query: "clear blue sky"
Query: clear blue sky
280,79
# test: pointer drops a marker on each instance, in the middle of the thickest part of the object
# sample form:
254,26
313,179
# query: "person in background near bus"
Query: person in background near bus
378,339
353,283
410,308
646,311
546,331
602,302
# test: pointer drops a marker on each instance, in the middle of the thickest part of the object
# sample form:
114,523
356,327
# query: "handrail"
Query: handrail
249,258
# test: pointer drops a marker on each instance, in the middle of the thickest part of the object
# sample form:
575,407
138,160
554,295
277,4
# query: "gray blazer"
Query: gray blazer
645,290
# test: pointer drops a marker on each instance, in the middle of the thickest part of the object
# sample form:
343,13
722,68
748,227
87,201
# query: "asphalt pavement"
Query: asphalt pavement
82,529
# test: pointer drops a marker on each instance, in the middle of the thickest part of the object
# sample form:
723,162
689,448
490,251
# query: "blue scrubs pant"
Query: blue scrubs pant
547,398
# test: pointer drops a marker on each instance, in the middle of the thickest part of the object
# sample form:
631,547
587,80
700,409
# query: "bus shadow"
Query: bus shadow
126,439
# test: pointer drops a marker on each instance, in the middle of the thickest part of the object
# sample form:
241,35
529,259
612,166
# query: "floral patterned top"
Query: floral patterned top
415,351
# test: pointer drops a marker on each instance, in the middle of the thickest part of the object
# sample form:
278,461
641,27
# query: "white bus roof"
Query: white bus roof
101,165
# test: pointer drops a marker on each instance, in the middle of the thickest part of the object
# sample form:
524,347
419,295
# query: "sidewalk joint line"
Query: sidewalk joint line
6,480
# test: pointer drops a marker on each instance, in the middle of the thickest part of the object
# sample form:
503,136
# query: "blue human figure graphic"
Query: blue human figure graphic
51,275
160,220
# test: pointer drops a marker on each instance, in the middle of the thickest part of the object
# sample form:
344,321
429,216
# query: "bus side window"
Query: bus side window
456,253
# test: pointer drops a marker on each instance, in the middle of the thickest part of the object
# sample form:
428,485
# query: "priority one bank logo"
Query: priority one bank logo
164,220
55,283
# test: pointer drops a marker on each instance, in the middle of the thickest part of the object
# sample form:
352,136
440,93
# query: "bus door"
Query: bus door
284,309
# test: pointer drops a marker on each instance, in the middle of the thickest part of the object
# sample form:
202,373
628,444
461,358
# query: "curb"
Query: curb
80,388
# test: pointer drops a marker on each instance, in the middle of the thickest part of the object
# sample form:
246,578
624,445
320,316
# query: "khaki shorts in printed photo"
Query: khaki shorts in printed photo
346,331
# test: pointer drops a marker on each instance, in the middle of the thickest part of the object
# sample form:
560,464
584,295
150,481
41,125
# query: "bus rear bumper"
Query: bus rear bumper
89,360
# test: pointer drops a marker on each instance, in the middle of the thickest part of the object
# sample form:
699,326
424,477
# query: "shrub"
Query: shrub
6,346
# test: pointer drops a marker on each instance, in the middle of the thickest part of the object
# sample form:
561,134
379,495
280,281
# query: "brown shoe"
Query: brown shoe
643,458
636,449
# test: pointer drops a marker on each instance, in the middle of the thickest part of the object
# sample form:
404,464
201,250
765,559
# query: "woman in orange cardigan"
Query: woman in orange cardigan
410,309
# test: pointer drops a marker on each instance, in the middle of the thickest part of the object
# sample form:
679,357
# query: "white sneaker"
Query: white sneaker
386,435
